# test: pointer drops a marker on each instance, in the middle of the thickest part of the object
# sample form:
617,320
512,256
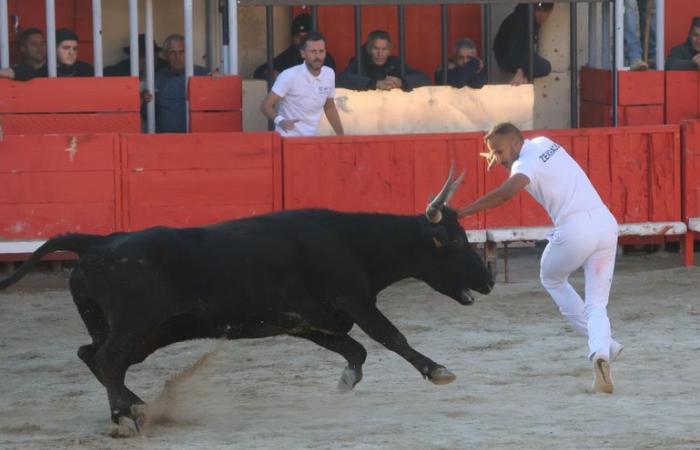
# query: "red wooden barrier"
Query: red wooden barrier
70,105
55,184
682,96
216,104
195,179
395,173
691,181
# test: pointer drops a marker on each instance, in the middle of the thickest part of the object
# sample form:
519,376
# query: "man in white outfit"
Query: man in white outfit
585,234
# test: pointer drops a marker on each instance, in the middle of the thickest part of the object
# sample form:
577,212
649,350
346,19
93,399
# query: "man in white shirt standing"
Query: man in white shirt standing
585,234
301,92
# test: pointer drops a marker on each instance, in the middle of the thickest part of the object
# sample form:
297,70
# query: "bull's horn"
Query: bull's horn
432,212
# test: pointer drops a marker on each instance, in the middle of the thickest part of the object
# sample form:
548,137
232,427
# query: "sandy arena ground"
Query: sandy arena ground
522,375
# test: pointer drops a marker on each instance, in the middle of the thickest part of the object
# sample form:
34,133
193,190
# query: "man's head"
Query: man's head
542,12
301,25
504,141
694,34
313,50
174,48
464,50
379,46
66,47
32,45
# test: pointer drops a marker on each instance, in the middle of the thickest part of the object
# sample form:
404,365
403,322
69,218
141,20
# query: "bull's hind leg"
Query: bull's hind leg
96,326
378,327
349,348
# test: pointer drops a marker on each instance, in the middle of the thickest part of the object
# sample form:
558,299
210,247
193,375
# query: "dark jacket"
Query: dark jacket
466,75
371,73
511,43
681,57
79,69
288,58
123,68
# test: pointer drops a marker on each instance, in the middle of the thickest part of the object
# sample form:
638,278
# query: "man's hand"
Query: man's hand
696,60
385,85
146,96
288,124
397,81
519,78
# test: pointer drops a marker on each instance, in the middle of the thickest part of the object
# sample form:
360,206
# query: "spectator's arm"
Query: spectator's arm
414,78
350,79
678,60
333,116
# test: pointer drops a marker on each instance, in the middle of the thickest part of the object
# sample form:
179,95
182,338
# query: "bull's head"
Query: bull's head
457,268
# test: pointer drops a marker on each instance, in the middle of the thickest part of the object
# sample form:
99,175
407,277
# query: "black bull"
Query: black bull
312,274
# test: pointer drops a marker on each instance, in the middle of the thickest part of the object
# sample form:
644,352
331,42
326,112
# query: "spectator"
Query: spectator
380,70
465,68
32,46
647,7
123,67
291,56
170,83
511,43
633,45
686,56
67,63
301,92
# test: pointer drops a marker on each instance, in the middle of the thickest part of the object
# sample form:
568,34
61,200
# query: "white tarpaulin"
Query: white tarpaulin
432,109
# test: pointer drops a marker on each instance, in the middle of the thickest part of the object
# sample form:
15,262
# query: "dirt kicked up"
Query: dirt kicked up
522,375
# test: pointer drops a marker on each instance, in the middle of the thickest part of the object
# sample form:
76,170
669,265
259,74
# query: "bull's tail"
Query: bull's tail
71,242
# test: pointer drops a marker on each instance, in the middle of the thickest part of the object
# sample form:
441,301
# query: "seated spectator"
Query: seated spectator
380,70
465,68
291,56
170,82
67,63
123,67
511,43
32,46
686,56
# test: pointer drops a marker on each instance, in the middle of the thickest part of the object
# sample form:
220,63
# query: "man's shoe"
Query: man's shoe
615,350
602,380
638,65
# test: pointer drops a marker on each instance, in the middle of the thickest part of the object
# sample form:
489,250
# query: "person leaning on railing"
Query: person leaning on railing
464,68
686,56
32,46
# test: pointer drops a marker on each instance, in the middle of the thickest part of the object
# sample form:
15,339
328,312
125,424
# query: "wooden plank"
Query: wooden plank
69,123
70,95
43,220
599,168
645,87
642,115
216,121
56,187
55,153
682,96
596,86
629,167
690,146
216,94
595,114
664,178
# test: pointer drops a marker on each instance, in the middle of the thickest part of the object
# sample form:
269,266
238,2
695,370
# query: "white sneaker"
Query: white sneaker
602,380
615,350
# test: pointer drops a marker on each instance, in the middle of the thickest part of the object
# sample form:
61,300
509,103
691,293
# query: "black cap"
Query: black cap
64,34
142,46
301,24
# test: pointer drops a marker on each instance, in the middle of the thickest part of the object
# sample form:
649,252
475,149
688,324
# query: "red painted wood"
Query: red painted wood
46,153
678,15
44,220
643,115
642,87
595,114
682,96
690,142
595,85
50,123
216,94
215,121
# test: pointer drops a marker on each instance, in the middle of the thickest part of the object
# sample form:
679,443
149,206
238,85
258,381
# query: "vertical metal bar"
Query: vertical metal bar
269,19
4,36
150,68
402,39
97,36
605,33
51,38
573,24
530,42
619,22
444,43
660,30
134,37
209,30
233,37
223,9
189,56
615,61
486,40
314,17
593,35
358,38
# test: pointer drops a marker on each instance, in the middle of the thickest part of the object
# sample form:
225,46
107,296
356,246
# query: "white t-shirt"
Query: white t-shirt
557,182
303,97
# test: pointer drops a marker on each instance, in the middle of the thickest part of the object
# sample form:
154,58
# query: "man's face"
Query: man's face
379,51
176,55
462,56
297,38
34,48
506,148
67,52
695,38
541,15
314,54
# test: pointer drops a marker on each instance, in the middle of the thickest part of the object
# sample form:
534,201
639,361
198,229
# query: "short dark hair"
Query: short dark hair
377,34
502,129
26,34
314,36
465,43
694,23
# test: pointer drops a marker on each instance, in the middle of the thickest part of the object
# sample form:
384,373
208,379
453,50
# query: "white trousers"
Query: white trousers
587,239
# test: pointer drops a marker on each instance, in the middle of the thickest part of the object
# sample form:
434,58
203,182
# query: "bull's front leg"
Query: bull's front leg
366,315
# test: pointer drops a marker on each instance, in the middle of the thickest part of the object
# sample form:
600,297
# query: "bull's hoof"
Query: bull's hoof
349,379
440,375
126,428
